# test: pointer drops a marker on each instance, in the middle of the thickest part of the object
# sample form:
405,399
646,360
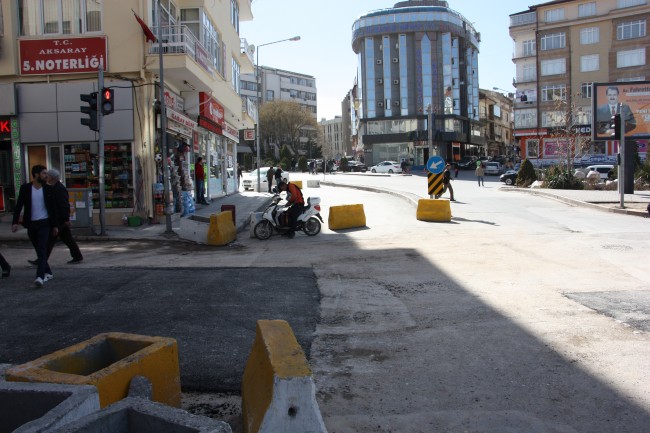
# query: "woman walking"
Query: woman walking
480,172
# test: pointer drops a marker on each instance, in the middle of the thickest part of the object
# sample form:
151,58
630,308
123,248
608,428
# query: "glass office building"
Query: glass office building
416,55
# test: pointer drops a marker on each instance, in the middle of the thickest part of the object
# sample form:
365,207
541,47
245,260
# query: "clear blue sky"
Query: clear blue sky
325,49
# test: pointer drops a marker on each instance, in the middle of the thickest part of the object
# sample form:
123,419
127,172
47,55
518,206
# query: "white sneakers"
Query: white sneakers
40,282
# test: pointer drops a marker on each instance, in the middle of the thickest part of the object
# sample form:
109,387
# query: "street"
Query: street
522,314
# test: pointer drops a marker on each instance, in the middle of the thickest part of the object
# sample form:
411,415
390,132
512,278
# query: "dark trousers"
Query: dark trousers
3,263
200,192
294,212
66,237
269,181
39,234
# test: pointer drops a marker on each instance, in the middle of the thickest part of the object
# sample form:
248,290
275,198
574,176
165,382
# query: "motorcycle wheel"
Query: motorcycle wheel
311,227
263,230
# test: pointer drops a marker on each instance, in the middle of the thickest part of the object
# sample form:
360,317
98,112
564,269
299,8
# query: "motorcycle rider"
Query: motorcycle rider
295,198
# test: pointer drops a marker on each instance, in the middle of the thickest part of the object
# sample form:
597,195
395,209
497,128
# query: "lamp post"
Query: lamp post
259,96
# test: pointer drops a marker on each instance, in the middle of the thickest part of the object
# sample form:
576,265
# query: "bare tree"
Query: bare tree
283,122
570,142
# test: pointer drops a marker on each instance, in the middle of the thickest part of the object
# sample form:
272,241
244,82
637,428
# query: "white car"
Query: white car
386,167
249,180
492,168
602,169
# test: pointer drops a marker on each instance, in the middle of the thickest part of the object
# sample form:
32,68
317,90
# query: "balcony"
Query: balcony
247,52
522,19
185,58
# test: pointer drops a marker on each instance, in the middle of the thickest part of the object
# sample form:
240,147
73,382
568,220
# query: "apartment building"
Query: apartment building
560,48
497,115
49,56
332,133
416,55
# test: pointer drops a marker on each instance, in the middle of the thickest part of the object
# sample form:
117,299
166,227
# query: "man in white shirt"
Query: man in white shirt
36,202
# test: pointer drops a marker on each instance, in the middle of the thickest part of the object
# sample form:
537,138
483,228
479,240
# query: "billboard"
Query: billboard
629,99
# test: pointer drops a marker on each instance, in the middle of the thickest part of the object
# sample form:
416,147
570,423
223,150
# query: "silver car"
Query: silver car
493,168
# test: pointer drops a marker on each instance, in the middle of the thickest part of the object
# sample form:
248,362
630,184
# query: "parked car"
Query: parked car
356,166
603,169
387,167
249,180
467,163
509,177
493,168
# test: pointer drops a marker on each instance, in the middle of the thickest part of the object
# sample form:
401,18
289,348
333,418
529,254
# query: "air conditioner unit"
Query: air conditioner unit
379,62
396,103
395,81
380,81
395,59
380,104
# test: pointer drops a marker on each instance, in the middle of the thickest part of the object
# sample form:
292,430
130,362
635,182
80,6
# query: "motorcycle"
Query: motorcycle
276,218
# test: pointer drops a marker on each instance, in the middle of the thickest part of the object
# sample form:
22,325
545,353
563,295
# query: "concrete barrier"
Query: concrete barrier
43,407
313,183
135,415
109,361
194,228
433,210
278,391
346,217
298,183
222,230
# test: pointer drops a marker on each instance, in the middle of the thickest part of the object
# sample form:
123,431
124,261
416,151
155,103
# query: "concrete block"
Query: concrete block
43,407
346,216
433,210
222,230
255,218
194,229
278,390
135,415
109,361
313,183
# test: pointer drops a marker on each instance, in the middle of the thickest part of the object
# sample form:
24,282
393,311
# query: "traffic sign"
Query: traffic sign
435,184
436,164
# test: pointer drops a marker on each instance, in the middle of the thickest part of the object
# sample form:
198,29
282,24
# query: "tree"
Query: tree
284,121
570,143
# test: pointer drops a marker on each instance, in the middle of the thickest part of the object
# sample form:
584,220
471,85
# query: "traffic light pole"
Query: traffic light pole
102,178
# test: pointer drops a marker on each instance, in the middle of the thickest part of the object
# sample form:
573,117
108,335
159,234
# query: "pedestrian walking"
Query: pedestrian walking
62,204
446,181
36,202
278,176
480,172
456,169
199,175
6,268
239,175
269,177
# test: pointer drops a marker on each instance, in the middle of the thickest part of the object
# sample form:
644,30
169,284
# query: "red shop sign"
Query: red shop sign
62,56
211,109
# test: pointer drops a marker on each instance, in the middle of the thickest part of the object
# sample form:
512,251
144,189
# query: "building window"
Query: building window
403,76
532,149
529,48
554,15
589,35
582,116
589,63
587,9
370,77
234,14
388,93
630,30
270,95
554,93
235,76
553,118
427,77
641,78
553,67
630,3
526,118
529,73
629,58
585,90
59,17
553,41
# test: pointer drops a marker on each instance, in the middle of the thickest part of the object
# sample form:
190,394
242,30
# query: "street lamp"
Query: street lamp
259,96
502,90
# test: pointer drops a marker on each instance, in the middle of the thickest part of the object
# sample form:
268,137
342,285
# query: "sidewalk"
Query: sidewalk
245,203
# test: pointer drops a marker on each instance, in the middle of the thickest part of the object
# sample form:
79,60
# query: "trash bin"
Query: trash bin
231,208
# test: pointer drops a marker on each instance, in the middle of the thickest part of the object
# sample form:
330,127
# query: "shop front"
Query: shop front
211,124
10,165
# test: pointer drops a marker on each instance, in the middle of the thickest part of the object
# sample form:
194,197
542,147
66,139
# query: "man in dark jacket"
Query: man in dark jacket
446,181
36,202
269,177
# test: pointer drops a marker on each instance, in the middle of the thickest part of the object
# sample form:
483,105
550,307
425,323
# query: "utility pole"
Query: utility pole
102,154
163,127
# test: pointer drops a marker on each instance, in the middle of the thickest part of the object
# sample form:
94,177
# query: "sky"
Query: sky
325,46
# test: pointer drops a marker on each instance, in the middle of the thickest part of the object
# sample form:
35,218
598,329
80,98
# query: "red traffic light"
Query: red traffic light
107,101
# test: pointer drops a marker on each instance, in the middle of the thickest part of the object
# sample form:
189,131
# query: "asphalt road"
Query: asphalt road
210,312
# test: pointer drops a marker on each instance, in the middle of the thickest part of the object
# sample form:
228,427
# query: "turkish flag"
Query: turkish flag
145,28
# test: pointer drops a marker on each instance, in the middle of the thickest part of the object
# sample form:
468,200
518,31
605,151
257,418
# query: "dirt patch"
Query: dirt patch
222,407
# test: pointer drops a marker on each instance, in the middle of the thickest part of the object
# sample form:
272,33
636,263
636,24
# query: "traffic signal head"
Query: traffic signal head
90,110
108,103
616,126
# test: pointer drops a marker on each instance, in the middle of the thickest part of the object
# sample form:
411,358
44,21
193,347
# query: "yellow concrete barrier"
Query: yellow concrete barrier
346,217
433,210
298,183
222,230
109,361
278,391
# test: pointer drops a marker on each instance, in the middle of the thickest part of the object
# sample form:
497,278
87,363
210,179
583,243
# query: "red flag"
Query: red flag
145,28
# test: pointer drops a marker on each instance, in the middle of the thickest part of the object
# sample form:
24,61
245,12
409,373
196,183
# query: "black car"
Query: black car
467,163
509,178
356,166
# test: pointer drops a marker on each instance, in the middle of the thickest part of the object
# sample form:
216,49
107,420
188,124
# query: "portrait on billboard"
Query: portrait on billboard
629,99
